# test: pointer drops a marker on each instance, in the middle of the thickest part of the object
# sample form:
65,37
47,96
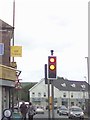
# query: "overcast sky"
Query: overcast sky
43,25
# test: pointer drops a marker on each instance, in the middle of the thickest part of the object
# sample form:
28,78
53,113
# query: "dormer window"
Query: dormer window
64,85
73,85
83,86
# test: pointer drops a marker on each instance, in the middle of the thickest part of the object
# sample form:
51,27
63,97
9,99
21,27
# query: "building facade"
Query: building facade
7,73
66,92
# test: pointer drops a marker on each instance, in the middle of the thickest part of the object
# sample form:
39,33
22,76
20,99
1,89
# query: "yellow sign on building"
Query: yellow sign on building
16,51
7,73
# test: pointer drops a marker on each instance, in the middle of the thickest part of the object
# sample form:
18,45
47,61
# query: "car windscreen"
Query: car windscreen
76,109
63,108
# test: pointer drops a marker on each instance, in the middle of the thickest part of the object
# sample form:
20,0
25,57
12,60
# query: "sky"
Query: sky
44,25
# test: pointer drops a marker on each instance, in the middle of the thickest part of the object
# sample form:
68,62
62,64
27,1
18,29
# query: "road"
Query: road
45,115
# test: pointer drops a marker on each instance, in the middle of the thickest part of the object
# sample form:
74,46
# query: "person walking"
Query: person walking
31,111
23,110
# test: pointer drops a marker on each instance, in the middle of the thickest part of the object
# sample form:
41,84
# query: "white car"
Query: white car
39,110
76,112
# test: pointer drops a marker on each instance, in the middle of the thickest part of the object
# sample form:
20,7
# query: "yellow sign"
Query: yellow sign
16,51
7,73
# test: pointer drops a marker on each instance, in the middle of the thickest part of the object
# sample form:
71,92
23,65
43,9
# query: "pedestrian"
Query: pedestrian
23,110
31,111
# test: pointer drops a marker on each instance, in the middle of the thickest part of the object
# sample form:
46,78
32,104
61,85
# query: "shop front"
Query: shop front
7,86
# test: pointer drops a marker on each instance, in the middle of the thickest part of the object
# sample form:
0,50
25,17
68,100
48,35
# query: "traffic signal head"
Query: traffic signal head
51,66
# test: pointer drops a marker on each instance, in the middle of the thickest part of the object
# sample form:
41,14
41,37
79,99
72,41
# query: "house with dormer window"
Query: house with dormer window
66,92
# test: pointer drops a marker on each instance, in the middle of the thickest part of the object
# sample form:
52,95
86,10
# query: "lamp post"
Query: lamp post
88,68
83,90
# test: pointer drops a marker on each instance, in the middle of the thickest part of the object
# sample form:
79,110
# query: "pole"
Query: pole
47,82
52,90
88,69
48,99
13,24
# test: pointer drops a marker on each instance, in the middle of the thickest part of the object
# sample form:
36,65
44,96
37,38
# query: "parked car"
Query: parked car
75,112
40,110
63,111
63,106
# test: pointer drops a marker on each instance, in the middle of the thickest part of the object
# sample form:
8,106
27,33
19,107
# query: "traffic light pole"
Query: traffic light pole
52,92
49,116
51,75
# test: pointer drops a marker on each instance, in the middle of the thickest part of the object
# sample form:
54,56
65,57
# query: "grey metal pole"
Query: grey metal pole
48,83
88,68
52,92
13,24
52,88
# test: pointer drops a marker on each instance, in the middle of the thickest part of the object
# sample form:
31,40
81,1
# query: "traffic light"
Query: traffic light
52,67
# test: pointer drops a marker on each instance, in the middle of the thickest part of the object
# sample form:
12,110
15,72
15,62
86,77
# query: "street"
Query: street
45,115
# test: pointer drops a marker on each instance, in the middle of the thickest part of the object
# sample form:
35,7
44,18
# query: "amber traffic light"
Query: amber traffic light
51,66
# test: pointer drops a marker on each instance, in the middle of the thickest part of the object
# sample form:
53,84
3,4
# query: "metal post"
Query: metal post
52,90
88,68
18,99
49,116
48,83
13,24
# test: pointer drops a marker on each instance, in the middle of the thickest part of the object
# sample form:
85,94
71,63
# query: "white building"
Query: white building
66,92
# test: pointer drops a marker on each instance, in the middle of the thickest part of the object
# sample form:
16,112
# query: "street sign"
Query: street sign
16,51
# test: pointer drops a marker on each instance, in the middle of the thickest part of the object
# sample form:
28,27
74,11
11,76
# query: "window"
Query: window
44,94
71,95
39,94
64,85
33,94
64,94
73,85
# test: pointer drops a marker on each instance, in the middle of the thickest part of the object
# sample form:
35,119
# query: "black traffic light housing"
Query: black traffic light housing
52,72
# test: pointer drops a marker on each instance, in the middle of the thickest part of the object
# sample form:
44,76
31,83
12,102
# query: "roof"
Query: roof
4,26
70,85
36,84
67,85
28,83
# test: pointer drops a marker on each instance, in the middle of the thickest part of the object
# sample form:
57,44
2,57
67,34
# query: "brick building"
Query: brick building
7,73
